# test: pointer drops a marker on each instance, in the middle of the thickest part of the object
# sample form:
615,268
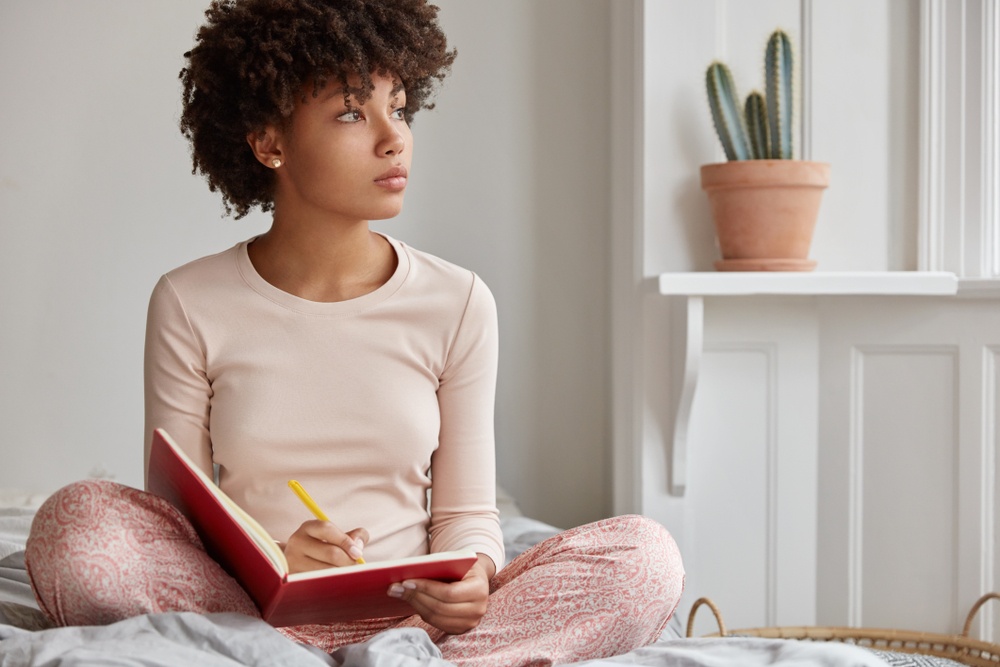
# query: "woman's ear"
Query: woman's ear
266,146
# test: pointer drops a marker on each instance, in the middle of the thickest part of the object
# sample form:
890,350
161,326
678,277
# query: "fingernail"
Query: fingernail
409,585
355,552
395,591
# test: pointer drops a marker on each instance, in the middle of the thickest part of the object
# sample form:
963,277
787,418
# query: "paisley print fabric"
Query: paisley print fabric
100,552
590,592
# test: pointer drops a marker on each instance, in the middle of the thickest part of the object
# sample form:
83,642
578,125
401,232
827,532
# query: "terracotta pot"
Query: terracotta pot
765,212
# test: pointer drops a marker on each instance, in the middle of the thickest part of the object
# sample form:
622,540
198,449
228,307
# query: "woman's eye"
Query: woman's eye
352,116
399,114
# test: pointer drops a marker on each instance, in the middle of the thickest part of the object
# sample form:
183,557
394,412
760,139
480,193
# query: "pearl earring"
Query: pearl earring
276,163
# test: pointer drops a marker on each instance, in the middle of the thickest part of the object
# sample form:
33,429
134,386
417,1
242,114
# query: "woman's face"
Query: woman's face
345,159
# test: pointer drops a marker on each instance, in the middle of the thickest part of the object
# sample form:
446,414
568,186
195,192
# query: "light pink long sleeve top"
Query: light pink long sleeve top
363,401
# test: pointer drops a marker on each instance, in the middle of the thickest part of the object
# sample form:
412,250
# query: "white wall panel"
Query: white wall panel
731,546
907,456
678,39
749,537
989,617
864,122
960,137
908,425
904,504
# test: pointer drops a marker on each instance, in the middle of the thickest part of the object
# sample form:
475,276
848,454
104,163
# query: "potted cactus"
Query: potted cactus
764,202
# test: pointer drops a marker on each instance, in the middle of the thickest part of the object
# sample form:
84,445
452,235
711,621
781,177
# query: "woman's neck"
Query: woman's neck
323,262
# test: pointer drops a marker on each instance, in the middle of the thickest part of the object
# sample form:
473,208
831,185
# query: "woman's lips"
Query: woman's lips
394,179
392,182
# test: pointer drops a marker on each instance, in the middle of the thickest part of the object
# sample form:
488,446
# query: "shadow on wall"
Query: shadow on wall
570,91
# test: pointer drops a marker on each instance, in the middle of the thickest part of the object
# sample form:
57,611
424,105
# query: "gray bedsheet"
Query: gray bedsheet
228,640
742,652
158,640
189,640
15,522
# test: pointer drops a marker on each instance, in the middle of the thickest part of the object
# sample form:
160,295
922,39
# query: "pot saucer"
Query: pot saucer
765,265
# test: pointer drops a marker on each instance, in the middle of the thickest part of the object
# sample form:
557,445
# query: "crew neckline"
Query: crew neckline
335,308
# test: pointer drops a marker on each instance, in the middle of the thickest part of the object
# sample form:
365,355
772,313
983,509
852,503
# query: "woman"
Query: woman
325,352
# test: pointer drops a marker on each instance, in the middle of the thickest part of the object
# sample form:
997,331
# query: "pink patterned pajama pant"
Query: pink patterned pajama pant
100,552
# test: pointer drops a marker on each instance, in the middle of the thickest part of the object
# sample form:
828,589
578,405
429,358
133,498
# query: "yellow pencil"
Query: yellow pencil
313,507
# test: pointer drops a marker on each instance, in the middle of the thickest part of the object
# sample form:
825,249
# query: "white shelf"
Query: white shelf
688,323
892,283
979,288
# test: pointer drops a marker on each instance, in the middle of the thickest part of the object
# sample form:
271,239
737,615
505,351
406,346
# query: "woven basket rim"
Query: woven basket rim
958,647
864,633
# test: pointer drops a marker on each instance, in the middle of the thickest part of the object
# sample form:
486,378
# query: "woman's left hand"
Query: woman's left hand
456,607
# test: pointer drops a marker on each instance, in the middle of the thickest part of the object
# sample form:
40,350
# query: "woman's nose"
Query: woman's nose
393,141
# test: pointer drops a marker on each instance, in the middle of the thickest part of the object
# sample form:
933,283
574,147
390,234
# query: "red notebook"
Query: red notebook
242,546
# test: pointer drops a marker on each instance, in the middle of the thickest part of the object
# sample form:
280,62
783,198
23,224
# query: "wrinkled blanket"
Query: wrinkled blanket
743,652
158,640
14,525
229,640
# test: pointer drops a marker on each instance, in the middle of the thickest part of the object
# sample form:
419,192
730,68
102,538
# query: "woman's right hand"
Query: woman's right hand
320,544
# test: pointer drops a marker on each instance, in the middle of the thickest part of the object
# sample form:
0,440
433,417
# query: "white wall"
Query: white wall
511,179
859,59
829,439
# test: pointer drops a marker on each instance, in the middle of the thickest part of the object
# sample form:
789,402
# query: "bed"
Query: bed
186,639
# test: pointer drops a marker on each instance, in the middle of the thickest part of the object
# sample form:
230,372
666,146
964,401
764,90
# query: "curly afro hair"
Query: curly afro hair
252,59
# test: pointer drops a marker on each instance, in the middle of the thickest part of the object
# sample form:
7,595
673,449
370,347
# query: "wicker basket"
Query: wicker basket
960,648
